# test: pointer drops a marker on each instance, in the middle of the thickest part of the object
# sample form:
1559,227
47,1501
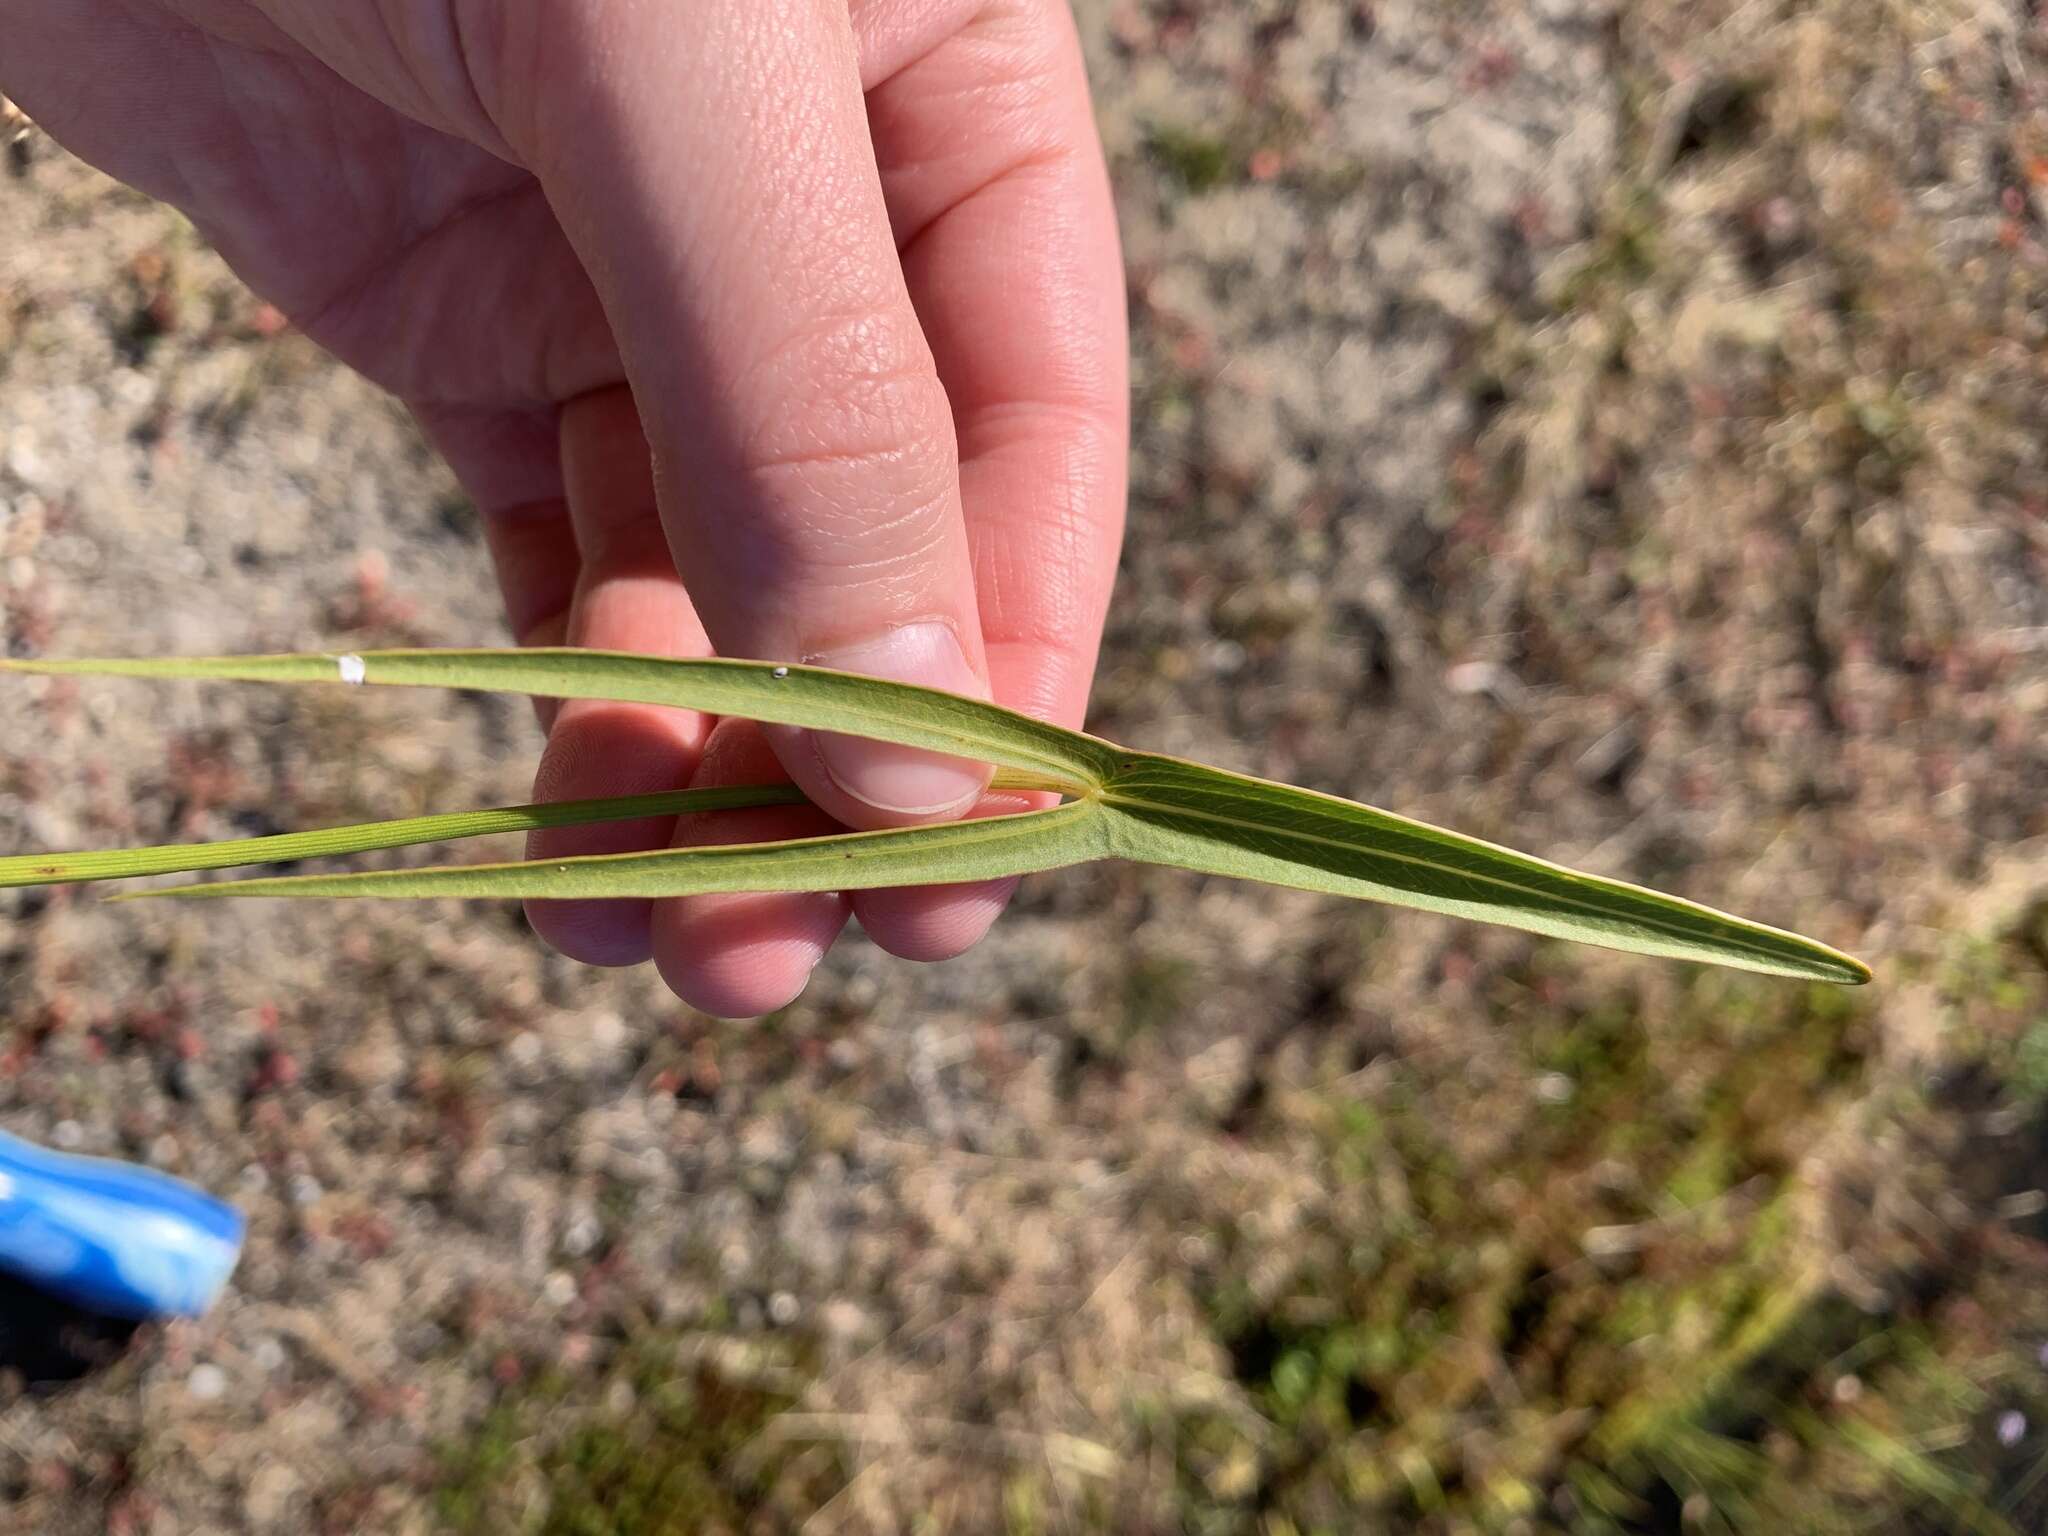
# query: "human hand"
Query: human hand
791,329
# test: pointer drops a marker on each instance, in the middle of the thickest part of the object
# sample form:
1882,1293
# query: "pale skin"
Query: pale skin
788,329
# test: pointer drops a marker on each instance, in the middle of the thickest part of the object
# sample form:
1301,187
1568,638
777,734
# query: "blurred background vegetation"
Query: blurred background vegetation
1617,430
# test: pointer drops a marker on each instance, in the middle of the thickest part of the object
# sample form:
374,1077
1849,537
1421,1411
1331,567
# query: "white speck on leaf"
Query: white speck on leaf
352,669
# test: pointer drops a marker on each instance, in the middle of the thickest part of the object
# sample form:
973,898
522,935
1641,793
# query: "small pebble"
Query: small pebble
24,457
305,1189
559,1289
269,1355
1226,657
1489,679
844,1319
782,1309
581,1236
779,672
206,1383
607,1031
68,1134
1554,1088
2012,1427
130,386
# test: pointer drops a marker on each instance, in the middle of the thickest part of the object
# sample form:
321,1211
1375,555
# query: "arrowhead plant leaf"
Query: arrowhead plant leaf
1115,803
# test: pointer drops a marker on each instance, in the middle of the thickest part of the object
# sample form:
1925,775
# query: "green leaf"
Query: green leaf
949,852
1183,814
287,847
362,837
806,696
1126,804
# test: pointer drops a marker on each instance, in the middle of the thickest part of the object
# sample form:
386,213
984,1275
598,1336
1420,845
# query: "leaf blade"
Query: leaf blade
812,697
368,836
74,868
945,853
1166,811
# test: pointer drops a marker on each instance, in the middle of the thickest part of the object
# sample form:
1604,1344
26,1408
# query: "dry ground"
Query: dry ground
1620,431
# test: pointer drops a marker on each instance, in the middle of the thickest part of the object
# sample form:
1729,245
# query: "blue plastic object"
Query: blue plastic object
113,1237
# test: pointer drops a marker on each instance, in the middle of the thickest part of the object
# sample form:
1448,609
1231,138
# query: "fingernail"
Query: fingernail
904,781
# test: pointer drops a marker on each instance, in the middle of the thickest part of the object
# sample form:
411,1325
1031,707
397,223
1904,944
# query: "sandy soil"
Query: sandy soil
1615,431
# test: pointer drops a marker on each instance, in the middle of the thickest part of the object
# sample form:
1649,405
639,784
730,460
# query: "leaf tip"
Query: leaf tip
1839,967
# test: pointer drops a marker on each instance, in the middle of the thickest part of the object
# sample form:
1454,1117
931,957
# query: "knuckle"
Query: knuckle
858,418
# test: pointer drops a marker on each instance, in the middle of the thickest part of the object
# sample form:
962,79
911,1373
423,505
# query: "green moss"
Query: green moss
1156,988
1621,256
1431,1281
1200,162
652,1446
1994,995
1604,1300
